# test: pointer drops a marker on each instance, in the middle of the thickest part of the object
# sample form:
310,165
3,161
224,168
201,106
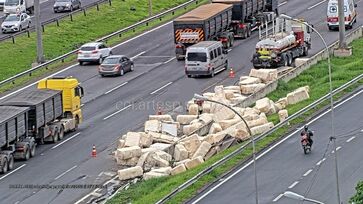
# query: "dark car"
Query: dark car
116,65
66,5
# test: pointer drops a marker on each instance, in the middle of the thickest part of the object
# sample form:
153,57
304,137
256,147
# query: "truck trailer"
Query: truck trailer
38,116
223,20
18,6
281,47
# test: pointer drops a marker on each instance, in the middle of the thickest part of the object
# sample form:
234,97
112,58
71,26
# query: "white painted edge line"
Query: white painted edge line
338,148
171,59
321,161
123,84
67,68
272,147
55,146
134,57
11,172
308,172
317,4
278,198
64,173
161,88
117,112
350,139
293,184
282,3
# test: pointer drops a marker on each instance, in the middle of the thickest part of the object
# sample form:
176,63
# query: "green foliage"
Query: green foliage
358,197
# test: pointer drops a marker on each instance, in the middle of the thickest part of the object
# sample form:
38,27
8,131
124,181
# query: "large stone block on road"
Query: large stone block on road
206,107
219,91
185,119
298,95
178,169
153,126
262,128
180,152
129,173
168,148
202,150
245,80
189,129
161,118
128,162
120,143
194,162
128,152
266,75
163,138
132,139
234,89
251,88
229,94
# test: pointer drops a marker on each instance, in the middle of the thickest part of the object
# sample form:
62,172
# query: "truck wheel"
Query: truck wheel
32,151
4,170
27,154
11,162
284,60
61,133
212,74
55,137
290,59
231,41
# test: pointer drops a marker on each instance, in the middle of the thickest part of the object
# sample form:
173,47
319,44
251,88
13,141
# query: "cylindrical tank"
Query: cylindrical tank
273,43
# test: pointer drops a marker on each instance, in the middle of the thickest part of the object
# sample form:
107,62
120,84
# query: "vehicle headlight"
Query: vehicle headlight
67,5
16,24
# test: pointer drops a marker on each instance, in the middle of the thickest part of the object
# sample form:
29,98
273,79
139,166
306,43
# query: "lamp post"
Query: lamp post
332,137
296,196
197,96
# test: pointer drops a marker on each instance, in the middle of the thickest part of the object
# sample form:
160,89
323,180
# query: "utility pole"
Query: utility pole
150,8
342,41
38,28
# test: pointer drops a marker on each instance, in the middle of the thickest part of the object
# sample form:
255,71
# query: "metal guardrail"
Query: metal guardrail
119,33
260,137
55,19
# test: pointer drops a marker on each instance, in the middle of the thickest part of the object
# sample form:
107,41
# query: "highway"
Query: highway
286,168
46,12
115,105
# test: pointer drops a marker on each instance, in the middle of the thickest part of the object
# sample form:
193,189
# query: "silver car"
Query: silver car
15,23
66,5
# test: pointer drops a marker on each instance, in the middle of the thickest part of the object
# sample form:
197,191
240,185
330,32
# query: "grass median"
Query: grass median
343,70
18,57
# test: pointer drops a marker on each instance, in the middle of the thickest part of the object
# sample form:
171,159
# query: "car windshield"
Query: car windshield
111,60
197,56
11,2
88,48
12,18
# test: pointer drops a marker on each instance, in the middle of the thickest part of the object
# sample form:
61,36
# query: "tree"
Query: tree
358,197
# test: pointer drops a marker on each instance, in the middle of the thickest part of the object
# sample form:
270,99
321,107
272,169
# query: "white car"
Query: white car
93,52
15,23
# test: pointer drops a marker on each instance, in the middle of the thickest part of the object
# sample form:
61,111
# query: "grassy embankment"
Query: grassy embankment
18,57
344,69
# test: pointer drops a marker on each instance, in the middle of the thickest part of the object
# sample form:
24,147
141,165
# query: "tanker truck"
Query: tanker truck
288,41
38,116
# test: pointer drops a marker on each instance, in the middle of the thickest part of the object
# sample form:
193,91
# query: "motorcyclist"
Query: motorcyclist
309,133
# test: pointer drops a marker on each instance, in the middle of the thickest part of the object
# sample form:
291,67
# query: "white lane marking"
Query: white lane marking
293,184
161,88
11,172
117,112
82,104
283,3
70,67
338,148
308,172
273,147
317,4
64,173
134,57
350,139
277,198
321,161
171,59
229,50
123,84
55,146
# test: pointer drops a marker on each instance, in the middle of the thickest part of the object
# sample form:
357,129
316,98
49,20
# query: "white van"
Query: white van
205,58
350,14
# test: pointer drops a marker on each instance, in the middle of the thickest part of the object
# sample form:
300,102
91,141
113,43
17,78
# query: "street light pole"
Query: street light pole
197,96
150,8
342,41
296,196
331,99
38,28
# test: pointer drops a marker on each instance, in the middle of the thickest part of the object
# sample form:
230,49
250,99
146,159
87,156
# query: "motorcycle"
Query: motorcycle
305,144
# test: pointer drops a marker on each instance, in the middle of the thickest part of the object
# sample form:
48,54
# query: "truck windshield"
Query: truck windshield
197,56
11,2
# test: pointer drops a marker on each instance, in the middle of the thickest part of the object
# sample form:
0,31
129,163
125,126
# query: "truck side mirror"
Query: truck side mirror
355,5
81,91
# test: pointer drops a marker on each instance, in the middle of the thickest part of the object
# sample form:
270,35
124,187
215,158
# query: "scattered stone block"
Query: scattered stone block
152,125
262,128
128,152
151,175
216,127
266,75
298,95
178,169
283,114
194,162
120,143
251,88
191,143
180,153
129,173
161,118
202,150
246,80
185,119
193,109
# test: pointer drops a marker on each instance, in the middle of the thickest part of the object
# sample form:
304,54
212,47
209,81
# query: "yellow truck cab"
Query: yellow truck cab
72,93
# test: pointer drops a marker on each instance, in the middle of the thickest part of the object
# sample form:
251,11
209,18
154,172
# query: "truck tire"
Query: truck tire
212,74
61,133
55,137
4,169
284,59
290,58
27,154
11,162
32,151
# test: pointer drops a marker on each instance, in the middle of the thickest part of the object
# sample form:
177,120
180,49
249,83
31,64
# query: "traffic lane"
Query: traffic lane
321,181
284,165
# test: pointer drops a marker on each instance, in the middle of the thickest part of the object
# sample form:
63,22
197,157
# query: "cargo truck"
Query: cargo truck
18,6
287,42
223,20
38,116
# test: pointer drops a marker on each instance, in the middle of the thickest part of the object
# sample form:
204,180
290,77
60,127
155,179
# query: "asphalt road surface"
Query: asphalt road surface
115,105
286,168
